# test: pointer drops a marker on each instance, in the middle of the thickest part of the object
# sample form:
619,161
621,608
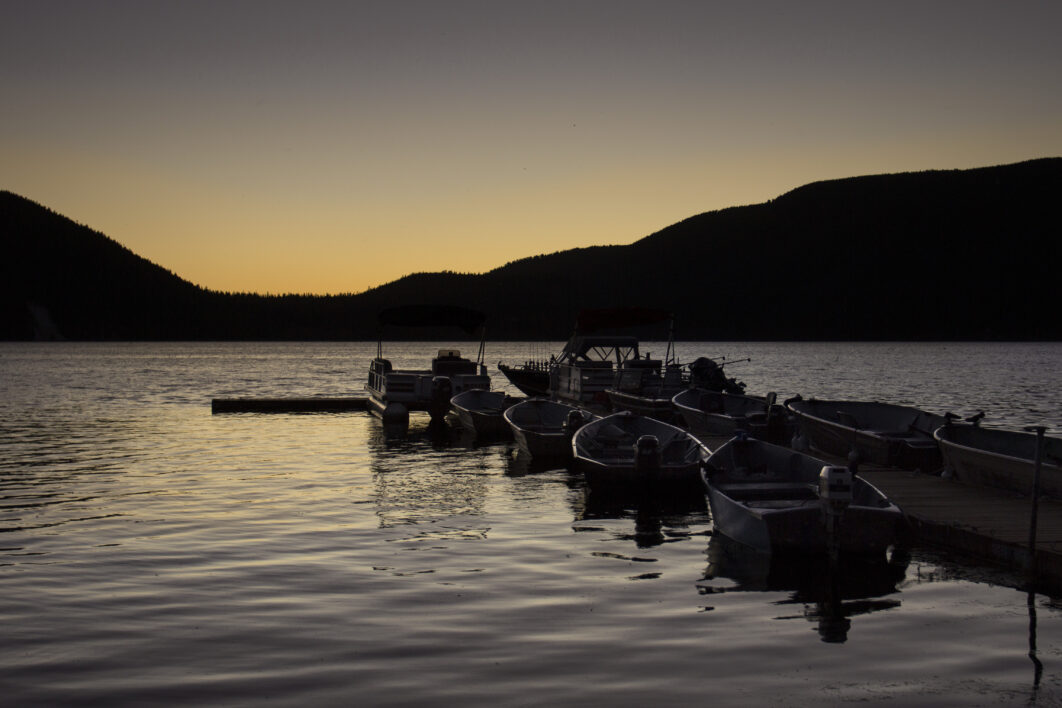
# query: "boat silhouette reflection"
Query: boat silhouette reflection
659,516
519,463
437,433
831,593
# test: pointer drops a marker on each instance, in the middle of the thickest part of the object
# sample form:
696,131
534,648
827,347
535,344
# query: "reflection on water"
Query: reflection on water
519,463
658,518
152,553
431,472
831,593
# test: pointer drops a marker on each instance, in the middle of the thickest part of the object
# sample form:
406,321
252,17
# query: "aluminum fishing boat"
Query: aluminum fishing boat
482,412
1003,459
878,433
775,499
544,428
624,448
721,414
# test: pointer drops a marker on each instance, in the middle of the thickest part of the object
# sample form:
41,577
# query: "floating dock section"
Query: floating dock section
289,405
984,523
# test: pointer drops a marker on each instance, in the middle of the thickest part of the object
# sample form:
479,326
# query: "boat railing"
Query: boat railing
399,382
768,491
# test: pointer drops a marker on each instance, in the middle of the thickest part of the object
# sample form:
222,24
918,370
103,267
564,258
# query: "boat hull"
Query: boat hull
482,413
878,433
624,473
605,452
658,407
719,414
861,530
530,380
541,427
1002,459
766,497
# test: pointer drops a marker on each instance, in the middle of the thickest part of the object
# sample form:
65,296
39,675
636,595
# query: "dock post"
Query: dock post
1039,430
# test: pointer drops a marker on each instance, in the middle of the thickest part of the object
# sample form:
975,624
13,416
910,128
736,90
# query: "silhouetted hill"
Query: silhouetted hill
961,254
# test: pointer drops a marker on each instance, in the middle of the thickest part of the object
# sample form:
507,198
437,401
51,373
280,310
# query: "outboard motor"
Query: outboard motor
647,456
575,420
705,373
835,494
441,393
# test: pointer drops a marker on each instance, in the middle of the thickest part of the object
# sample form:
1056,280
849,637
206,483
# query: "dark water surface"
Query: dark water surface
151,553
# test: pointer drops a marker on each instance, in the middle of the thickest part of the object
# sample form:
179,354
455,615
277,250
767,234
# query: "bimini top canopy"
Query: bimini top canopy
595,320
600,348
433,316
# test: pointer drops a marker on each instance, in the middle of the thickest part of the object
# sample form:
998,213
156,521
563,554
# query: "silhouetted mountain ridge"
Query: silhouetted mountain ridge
940,255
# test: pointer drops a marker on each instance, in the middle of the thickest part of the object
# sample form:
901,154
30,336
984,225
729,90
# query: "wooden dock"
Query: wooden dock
289,405
978,521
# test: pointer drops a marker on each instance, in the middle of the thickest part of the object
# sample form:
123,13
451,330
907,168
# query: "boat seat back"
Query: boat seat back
447,366
846,418
676,449
711,403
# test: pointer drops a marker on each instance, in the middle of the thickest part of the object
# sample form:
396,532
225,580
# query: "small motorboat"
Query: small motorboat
531,377
775,499
1004,459
878,433
544,428
592,363
721,414
646,387
482,412
625,448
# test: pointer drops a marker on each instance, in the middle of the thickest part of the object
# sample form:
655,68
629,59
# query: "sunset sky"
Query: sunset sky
329,147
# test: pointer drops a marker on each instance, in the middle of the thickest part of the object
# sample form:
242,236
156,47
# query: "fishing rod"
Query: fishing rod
723,363
735,361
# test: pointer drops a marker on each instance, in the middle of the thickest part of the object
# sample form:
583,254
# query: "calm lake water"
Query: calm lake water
153,553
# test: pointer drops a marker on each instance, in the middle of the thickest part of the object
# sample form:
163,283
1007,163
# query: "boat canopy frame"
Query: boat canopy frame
601,348
594,320
463,318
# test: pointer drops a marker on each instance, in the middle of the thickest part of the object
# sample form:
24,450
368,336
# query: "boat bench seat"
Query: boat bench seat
762,491
676,449
537,427
911,438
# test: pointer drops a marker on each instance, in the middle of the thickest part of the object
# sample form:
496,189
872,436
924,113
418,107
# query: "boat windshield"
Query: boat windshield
617,349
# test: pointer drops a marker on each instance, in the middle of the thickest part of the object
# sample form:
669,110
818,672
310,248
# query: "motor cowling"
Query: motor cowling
575,420
647,455
441,393
835,488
